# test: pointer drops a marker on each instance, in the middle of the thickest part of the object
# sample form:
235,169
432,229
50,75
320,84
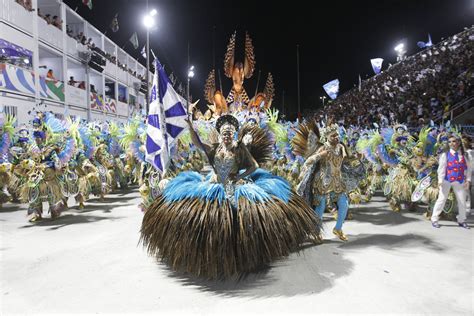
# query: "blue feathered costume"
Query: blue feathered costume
233,221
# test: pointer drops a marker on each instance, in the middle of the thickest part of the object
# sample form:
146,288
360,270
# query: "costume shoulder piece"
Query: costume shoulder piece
257,141
306,140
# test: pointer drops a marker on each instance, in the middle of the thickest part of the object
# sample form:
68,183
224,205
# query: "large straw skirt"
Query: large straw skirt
207,230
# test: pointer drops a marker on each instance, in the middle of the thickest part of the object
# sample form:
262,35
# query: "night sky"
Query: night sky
336,39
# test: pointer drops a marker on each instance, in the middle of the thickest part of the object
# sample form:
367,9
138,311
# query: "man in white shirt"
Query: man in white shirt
469,152
454,171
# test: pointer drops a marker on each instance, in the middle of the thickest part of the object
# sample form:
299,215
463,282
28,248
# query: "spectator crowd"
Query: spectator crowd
420,88
79,37
27,4
88,42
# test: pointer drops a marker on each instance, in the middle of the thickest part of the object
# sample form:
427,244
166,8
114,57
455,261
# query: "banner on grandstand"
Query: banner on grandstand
332,88
376,64
99,103
15,54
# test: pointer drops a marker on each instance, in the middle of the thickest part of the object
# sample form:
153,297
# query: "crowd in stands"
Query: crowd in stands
77,84
55,20
79,37
414,91
27,4
88,42
50,75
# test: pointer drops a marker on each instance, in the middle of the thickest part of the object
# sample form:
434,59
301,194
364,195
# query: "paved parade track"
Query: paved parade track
89,261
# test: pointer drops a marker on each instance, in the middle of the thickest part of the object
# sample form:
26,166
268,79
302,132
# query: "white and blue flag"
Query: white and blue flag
166,119
376,65
427,44
332,88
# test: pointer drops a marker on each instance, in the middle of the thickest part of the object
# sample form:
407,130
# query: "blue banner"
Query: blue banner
14,52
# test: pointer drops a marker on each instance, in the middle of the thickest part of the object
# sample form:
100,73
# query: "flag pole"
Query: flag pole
214,54
148,66
283,103
298,78
187,87
214,47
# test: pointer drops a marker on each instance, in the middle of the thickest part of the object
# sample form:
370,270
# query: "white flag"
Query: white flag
376,65
332,88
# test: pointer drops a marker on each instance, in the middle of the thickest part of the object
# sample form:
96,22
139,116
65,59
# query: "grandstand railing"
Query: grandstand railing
465,129
468,130
458,109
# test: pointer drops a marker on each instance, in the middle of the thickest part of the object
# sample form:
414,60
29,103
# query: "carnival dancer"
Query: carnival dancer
467,143
86,173
19,158
42,184
6,134
102,161
237,219
373,163
390,146
355,196
323,181
114,133
49,157
454,172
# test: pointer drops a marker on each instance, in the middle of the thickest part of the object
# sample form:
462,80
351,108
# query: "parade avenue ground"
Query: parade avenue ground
90,262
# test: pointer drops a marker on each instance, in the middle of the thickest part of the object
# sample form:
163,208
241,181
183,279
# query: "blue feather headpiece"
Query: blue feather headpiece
39,134
37,122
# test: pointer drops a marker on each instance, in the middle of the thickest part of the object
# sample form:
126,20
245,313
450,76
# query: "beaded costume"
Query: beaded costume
237,219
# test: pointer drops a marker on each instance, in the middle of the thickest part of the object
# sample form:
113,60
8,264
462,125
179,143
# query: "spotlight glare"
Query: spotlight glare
148,21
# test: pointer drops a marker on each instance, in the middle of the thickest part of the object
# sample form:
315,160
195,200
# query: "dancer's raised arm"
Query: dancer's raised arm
196,140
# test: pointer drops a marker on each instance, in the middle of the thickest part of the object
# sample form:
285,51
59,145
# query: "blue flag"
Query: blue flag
332,88
376,64
166,119
427,44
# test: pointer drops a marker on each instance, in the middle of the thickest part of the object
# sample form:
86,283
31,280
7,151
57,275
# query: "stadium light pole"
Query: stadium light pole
400,49
149,22
323,98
